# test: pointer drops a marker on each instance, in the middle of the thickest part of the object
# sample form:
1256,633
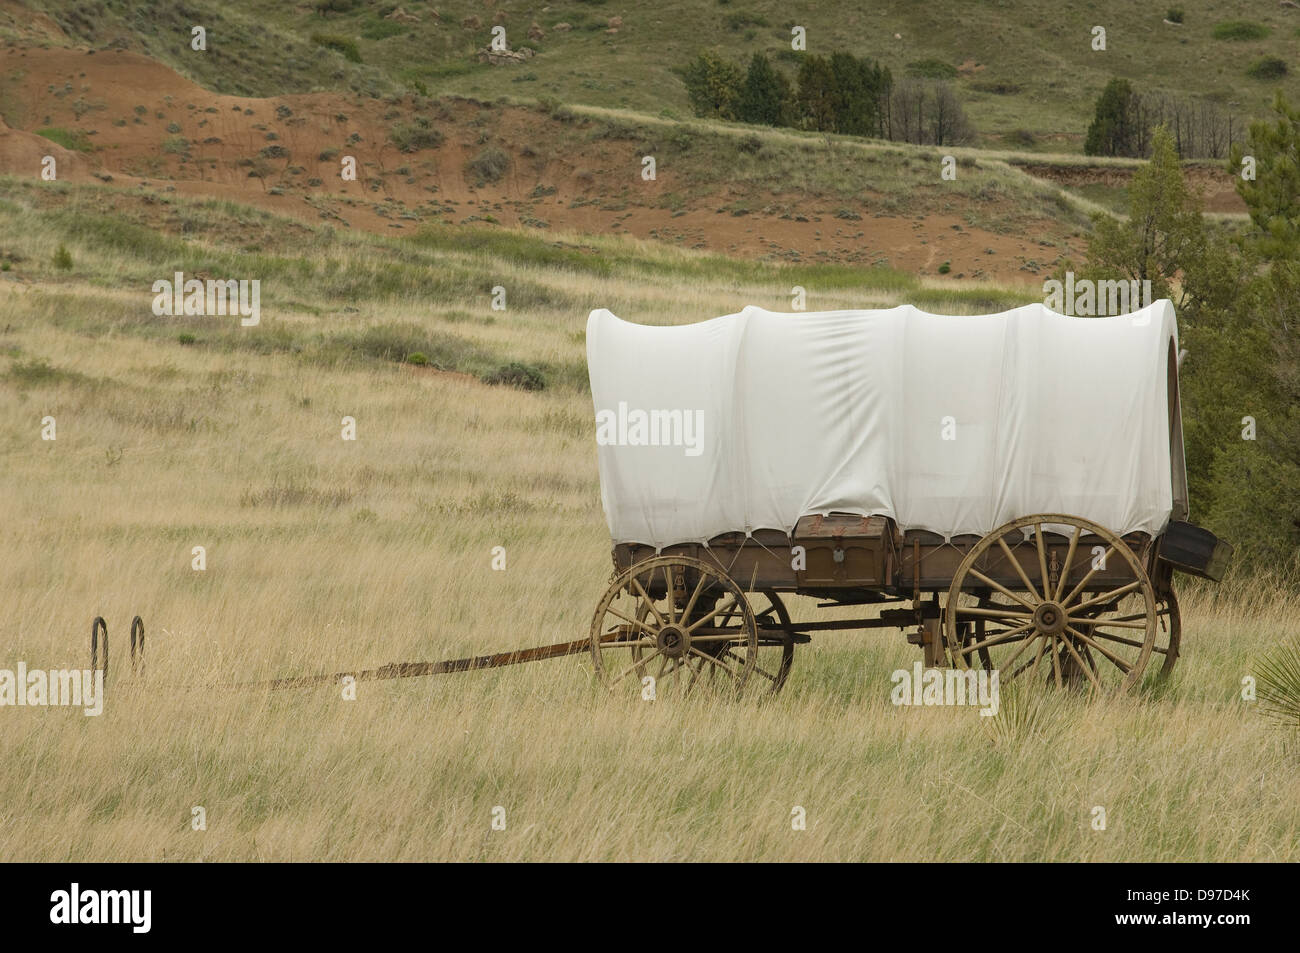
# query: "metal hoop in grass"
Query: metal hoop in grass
96,627
137,628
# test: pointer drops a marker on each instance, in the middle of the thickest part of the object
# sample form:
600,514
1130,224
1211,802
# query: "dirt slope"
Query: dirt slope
133,121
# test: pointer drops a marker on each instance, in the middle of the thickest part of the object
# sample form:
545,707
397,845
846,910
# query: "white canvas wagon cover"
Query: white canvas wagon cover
952,424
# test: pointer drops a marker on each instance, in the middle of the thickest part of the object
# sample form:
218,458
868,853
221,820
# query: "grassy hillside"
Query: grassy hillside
324,555
757,193
1021,65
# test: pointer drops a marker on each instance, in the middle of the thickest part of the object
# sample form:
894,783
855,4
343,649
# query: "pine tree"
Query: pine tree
1164,233
1227,374
1257,483
853,103
765,94
1273,196
815,100
1112,132
712,85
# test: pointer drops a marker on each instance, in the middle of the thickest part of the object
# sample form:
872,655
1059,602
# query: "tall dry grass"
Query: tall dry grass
325,555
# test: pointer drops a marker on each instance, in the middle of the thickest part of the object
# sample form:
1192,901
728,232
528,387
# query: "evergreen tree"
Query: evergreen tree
1112,131
1165,240
1256,483
853,99
1164,233
815,100
1273,197
765,94
712,85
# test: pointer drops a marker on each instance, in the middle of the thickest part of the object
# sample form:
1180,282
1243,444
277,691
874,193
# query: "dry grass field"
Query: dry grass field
326,555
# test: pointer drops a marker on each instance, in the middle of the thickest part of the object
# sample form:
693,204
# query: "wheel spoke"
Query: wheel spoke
639,663
1001,637
1106,596
695,673
648,601
1096,631
1024,643
1087,669
699,587
639,643
735,601
1044,646
1056,664
719,663
1118,662
636,622
727,612
1042,642
1000,588
1117,623
1029,586
994,613
1084,581
677,665
1042,558
668,594
1069,560
1038,657
757,670
1087,653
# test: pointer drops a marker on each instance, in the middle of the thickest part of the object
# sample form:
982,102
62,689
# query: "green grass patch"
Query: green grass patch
343,45
1239,31
1267,68
383,29
518,375
932,69
73,139
38,372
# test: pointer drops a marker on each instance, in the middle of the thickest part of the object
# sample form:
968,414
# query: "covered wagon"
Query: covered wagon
1009,489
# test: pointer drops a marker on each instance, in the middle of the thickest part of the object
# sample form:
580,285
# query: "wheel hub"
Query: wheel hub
673,641
1049,618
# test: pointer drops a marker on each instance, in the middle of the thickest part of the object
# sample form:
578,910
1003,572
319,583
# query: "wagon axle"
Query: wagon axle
1050,618
673,641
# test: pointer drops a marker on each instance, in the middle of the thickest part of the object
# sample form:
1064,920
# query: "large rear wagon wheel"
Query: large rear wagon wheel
1053,625
673,626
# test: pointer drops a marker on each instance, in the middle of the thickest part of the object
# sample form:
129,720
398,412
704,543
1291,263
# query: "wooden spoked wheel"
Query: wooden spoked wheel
671,626
1169,632
1015,607
776,639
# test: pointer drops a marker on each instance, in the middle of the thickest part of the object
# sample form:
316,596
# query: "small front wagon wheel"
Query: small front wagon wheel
672,626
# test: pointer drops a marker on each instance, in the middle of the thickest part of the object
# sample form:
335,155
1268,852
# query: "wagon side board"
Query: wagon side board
850,558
